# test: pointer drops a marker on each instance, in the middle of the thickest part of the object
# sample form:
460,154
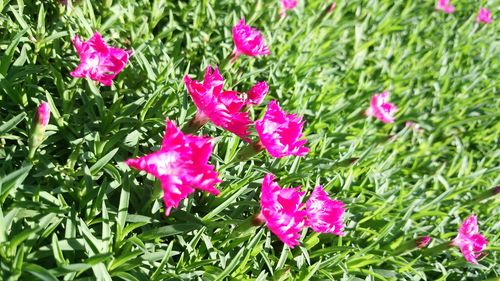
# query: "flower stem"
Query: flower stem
418,243
36,139
437,249
249,151
404,247
234,57
328,10
247,226
195,124
485,195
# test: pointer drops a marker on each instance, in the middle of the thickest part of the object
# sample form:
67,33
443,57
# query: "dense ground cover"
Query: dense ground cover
77,212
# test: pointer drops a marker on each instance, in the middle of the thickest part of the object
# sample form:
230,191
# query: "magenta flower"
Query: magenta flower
248,41
98,61
280,133
381,109
324,215
257,93
282,210
180,165
43,114
445,6
288,4
469,240
223,108
484,16
422,242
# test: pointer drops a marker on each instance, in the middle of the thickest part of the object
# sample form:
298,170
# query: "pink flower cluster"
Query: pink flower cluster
248,41
469,240
445,6
288,4
381,108
98,61
285,215
280,133
483,15
223,108
180,165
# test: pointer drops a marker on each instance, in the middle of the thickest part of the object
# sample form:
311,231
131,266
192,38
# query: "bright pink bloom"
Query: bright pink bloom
248,41
98,61
180,165
445,6
469,240
324,215
257,93
422,242
381,109
288,4
43,114
282,210
484,16
280,133
223,108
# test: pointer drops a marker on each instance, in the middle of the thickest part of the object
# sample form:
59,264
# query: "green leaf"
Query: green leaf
39,272
9,53
12,181
102,162
169,230
11,123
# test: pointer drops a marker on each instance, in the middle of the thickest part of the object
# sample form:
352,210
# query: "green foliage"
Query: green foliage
79,213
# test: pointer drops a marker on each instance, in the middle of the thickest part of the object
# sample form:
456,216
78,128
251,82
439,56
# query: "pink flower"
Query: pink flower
324,215
248,41
381,109
43,114
288,4
282,210
484,16
180,165
332,7
223,108
257,93
445,6
98,61
280,133
469,240
422,242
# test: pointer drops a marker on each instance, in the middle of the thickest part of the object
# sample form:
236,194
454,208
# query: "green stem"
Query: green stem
437,249
323,14
195,124
249,151
35,139
247,226
485,195
404,247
